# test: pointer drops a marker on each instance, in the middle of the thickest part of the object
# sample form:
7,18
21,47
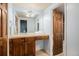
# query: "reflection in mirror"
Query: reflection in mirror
27,21
26,25
37,26
23,26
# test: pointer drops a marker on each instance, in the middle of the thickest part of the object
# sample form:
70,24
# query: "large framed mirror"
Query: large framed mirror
27,22
27,25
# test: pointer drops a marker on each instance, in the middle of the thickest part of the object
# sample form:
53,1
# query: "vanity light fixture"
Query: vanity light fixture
30,15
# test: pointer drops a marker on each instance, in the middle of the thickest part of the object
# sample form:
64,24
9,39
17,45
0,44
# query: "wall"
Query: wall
31,25
11,20
72,29
47,29
39,43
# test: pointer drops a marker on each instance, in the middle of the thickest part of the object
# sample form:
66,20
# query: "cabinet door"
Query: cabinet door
31,46
31,49
16,47
3,47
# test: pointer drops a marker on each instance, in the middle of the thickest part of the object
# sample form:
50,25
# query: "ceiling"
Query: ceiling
38,6
25,9
26,14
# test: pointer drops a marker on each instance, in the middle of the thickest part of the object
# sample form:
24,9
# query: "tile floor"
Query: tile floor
43,53
61,54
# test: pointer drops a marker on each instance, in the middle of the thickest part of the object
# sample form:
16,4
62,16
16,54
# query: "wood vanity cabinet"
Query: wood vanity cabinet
22,47
3,29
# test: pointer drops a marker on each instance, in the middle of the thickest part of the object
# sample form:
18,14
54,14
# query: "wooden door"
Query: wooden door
58,32
3,19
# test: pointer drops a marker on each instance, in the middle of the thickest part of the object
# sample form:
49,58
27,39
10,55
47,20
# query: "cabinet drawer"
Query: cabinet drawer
31,49
42,37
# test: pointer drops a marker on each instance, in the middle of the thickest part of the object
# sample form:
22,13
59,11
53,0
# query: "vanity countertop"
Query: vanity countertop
29,35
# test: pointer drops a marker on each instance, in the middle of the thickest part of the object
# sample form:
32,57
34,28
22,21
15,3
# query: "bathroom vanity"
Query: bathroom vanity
24,34
24,45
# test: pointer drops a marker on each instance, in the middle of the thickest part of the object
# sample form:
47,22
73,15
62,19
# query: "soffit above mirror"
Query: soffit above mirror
38,6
